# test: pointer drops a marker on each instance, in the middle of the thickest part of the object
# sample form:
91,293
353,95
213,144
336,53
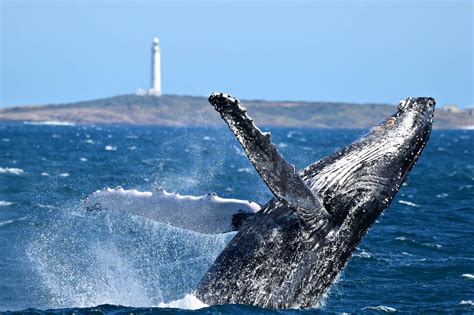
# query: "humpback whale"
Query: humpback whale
289,253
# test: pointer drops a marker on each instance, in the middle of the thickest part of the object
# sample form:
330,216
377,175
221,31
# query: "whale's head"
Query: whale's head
365,176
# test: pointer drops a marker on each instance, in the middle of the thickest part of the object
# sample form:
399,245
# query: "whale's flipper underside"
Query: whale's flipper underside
280,176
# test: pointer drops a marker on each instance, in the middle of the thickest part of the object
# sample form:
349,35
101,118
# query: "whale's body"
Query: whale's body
290,252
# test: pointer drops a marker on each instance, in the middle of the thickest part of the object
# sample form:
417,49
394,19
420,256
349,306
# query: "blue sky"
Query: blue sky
352,51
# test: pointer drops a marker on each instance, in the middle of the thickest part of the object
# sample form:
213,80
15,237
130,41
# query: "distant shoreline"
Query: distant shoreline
178,111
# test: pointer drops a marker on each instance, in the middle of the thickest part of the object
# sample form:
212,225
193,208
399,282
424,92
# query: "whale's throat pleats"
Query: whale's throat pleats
347,178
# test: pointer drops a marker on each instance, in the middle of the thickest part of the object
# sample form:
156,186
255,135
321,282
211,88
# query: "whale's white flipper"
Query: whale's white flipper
208,214
280,176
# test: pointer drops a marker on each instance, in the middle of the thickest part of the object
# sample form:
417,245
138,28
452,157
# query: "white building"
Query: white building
155,84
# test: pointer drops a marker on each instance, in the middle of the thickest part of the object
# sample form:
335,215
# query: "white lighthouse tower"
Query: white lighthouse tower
155,88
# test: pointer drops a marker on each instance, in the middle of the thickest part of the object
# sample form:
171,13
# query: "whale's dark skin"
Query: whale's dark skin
289,253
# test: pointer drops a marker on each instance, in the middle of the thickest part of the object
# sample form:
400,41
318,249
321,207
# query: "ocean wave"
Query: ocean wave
11,170
381,308
4,203
408,203
110,148
247,170
189,302
6,222
363,254
45,206
467,302
50,123
468,275
2,223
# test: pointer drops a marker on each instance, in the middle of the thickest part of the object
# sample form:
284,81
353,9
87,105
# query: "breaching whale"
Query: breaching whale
291,251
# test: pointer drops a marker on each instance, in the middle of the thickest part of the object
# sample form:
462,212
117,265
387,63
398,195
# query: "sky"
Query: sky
349,51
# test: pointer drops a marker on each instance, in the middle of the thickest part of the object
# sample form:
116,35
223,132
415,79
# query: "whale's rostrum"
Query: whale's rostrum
291,251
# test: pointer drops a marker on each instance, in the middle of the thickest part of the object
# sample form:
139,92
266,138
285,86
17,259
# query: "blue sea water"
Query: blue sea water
419,256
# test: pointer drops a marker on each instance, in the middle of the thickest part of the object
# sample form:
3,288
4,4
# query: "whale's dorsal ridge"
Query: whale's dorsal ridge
279,175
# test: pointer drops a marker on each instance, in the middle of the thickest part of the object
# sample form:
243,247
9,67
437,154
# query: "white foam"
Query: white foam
468,275
64,174
44,206
110,148
44,174
408,203
4,203
2,223
50,123
381,308
189,302
467,302
208,214
248,170
11,170
363,254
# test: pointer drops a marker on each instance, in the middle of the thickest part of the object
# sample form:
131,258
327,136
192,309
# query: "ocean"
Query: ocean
57,256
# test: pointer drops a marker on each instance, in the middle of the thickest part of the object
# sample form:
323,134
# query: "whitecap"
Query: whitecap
64,174
110,148
206,138
382,308
363,254
3,223
189,302
11,170
467,302
408,203
468,275
83,159
282,145
401,238
4,203
50,123
443,195
90,141
44,174
5,140
245,170
44,206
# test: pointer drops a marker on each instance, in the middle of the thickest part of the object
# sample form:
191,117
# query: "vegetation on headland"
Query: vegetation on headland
174,110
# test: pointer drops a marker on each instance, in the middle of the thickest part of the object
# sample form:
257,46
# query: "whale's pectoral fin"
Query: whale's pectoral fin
279,175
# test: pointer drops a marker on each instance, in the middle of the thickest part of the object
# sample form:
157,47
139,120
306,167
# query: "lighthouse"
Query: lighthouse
155,86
